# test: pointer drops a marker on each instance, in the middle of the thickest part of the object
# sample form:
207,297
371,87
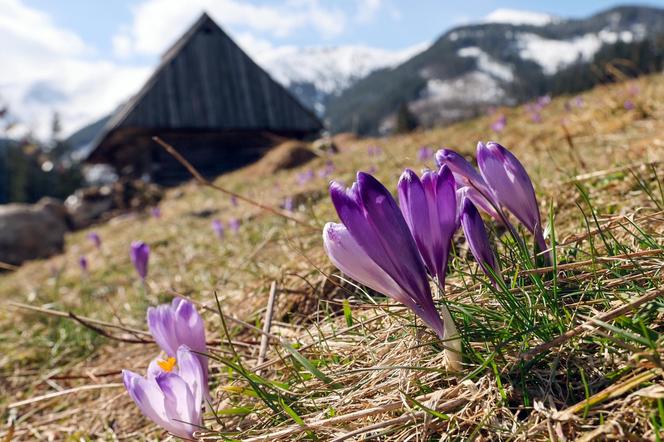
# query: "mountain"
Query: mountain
509,58
315,74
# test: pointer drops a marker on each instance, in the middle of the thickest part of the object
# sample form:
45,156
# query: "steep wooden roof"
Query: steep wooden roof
206,82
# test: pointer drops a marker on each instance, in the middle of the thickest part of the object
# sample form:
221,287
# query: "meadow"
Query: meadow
570,351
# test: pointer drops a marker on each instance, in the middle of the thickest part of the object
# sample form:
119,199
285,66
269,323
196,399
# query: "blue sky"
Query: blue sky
392,24
82,58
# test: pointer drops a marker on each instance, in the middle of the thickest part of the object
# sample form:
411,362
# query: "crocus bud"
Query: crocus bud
511,186
176,324
140,254
373,220
95,239
478,240
499,124
430,209
83,264
218,228
156,212
172,393
374,246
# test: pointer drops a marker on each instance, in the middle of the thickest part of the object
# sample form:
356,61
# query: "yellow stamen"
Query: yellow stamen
167,365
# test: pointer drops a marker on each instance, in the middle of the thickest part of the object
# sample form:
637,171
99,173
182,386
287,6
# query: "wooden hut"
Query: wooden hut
209,100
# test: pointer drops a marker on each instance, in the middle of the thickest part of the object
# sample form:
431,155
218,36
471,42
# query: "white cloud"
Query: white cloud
156,23
46,68
517,17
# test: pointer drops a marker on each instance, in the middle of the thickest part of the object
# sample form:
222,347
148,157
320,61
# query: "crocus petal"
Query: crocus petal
464,172
429,208
148,396
347,255
478,240
510,183
179,405
191,371
162,328
478,200
190,331
415,209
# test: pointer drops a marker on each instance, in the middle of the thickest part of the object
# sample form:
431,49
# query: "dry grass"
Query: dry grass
344,364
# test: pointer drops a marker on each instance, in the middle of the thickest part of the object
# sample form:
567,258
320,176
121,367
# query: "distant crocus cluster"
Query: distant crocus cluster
498,125
394,249
176,384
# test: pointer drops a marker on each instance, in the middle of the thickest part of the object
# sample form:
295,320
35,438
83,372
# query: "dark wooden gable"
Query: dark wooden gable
206,83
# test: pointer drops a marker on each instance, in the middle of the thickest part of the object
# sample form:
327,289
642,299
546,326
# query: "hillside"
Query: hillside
471,68
344,362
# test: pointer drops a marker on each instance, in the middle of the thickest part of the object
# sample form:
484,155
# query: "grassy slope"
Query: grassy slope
370,358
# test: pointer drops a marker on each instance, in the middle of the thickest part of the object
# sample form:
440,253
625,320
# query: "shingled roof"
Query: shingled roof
205,82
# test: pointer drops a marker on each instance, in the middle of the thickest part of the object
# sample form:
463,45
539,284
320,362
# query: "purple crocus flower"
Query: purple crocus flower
327,170
218,228
424,154
234,224
499,124
375,246
374,151
83,264
629,104
176,324
233,200
466,176
543,101
172,393
288,204
511,186
140,254
95,239
429,208
478,240
304,177
156,212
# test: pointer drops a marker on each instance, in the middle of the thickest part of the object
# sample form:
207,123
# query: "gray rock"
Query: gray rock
32,231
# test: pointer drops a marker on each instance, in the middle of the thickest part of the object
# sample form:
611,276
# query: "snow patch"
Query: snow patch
474,87
486,63
518,17
553,55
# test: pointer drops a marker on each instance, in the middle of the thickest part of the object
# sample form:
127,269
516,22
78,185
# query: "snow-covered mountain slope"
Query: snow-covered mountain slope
314,74
509,57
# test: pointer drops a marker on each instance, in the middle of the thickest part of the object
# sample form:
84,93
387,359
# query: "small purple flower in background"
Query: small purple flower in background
425,154
233,200
83,264
176,324
140,255
172,393
95,239
478,240
629,105
374,151
156,212
499,123
234,224
288,204
429,207
578,101
536,117
372,170
218,228
304,177
543,101
327,170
